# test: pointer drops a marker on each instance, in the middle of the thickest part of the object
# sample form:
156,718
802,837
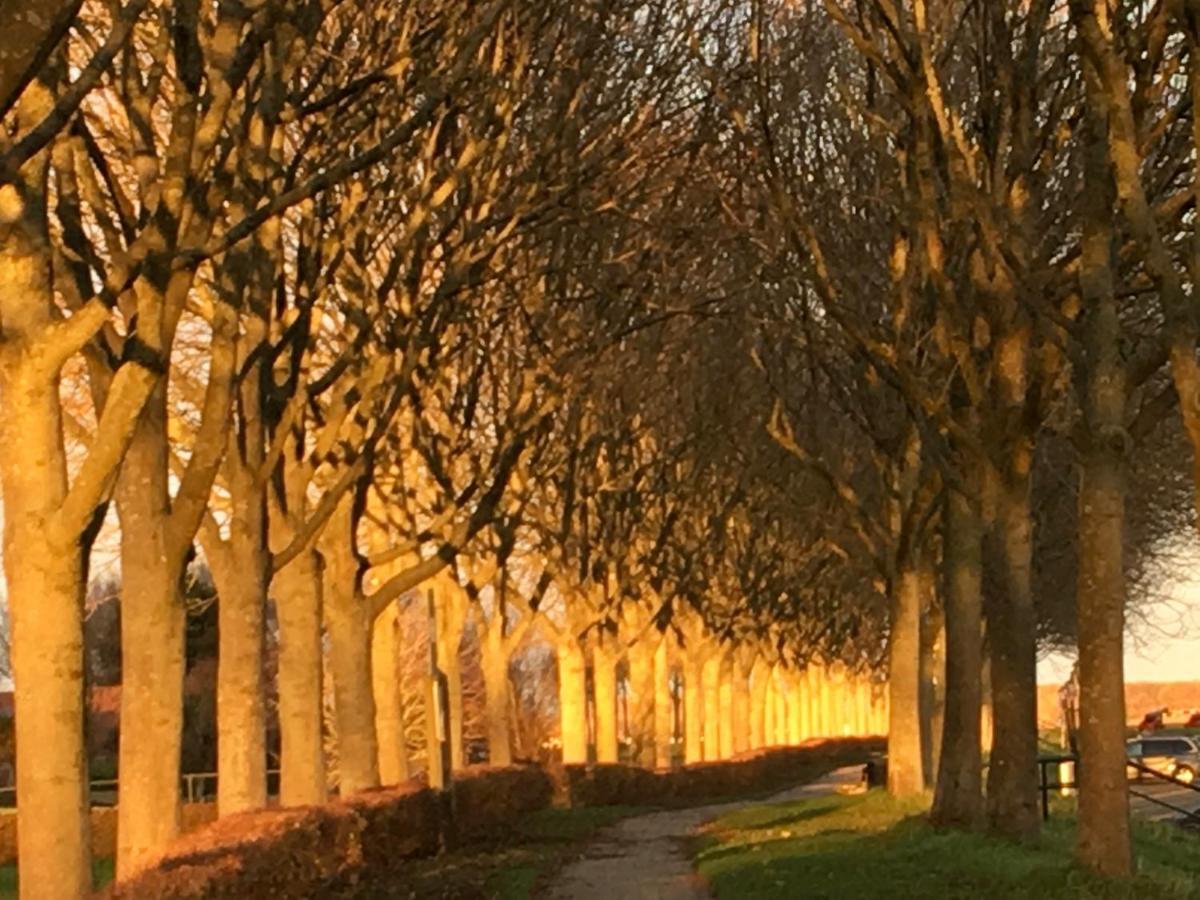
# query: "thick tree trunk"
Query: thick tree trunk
759,678
958,796
932,663
712,707
572,701
1012,796
693,706
296,589
45,596
741,703
349,634
905,771
641,698
240,572
769,707
663,724
725,699
796,707
780,719
152,651
825,703
389,698
496,692
604,688
44,564
1104,840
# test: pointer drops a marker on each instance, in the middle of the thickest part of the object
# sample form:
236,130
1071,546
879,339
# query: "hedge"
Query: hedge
340,848
104,829
612,784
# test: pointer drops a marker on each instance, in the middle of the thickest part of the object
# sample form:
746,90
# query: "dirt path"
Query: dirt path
643,858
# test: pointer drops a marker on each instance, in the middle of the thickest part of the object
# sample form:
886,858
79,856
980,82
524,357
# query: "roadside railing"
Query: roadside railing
194,787
1065,778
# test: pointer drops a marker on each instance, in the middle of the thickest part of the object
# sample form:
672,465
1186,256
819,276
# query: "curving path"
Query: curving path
644,857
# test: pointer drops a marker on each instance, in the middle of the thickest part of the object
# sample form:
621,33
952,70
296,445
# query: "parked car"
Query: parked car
1176,755
1153,720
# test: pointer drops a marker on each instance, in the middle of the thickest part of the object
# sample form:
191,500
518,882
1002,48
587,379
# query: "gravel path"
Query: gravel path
644,858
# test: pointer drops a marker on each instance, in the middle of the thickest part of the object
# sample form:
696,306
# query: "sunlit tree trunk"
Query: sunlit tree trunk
662,705
725,700
780,719
759,679
932,674
711,681
240,570
152,650
495,661
389,698
349,632
572,701
693,705
796,709
641,697
44,572
296,589
604,684
741,670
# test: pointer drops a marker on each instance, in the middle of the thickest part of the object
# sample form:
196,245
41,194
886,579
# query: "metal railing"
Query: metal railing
194,787
1046,785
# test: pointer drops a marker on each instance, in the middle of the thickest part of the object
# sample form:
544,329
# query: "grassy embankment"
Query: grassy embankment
869,846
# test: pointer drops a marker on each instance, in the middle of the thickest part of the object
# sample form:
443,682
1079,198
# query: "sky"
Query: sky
1164,645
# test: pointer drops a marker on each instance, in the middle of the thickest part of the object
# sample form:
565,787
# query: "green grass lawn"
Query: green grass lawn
869,846
102,873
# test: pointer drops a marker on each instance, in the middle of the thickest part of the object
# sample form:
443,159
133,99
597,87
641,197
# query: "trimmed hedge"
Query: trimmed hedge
612,784
340,848
325,850
103,827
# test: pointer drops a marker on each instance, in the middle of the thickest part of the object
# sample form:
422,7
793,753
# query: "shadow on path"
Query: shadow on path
645,857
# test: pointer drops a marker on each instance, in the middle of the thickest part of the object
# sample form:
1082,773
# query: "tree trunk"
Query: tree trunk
240,572
795,709
152,651
604,687
662,705
297,592
349,633
495,688
741,704
45,596
712,707
933,641
1104,840
759,677
1012,796
781,710
450,662
693,706
905,772
572,701
44,563
641,698
725,699
389,698
958,797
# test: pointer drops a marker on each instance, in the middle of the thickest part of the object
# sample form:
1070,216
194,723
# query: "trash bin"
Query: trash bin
875,773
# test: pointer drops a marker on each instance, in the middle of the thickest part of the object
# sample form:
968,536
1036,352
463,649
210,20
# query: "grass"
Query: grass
102,873
870,846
